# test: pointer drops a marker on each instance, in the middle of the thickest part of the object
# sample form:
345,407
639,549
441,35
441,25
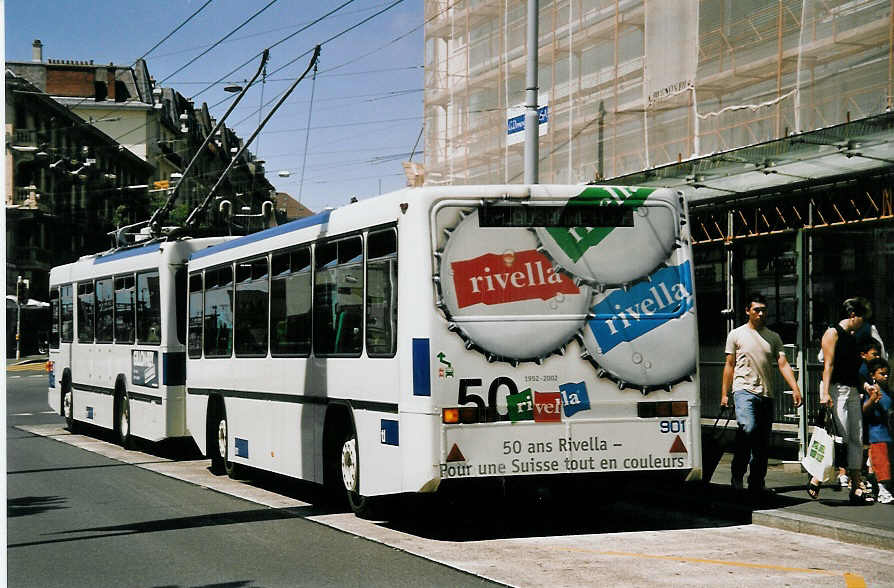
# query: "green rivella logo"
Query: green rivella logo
575,241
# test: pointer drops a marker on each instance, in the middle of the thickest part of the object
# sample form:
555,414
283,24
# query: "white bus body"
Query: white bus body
502,339
116,358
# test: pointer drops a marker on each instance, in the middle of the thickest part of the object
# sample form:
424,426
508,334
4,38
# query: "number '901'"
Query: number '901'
672,426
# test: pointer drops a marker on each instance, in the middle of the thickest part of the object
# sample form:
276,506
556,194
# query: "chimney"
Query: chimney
37,51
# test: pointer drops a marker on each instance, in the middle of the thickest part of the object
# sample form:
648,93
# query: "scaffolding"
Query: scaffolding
760,70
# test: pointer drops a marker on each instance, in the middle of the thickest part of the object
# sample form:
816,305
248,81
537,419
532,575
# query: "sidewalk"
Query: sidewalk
787,506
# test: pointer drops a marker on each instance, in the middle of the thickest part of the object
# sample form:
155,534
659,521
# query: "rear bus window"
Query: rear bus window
148,309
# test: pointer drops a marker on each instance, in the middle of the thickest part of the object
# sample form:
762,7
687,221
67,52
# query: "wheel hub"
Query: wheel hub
349,464
222,438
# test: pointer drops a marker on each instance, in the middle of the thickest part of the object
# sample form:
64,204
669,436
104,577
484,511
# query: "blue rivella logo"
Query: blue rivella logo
624,316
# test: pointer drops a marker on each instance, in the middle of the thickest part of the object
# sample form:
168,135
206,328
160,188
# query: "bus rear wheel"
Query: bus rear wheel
122,420
365,507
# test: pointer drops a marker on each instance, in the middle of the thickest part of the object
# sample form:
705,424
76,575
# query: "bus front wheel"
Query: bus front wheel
220,448
68,405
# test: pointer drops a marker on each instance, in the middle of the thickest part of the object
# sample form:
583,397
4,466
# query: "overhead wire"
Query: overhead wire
281,41
260,34
169,35
219,41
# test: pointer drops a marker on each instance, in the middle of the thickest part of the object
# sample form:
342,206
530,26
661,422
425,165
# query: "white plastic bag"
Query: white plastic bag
819,460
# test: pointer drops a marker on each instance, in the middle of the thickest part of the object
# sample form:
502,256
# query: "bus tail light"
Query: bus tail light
462,414
647,410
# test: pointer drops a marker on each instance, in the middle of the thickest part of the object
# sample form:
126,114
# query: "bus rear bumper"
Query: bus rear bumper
579,446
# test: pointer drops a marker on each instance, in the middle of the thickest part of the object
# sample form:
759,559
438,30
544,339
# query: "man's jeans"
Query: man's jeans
755,417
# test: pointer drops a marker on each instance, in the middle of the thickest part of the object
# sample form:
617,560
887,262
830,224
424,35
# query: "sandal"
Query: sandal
860,497
813,490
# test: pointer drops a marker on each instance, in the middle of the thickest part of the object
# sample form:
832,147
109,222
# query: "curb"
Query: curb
838,530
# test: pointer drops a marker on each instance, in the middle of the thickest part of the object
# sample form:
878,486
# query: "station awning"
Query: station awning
849,150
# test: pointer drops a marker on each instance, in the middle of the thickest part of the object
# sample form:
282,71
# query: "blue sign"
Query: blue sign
516,124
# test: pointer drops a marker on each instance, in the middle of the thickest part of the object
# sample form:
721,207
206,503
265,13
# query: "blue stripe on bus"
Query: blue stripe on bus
390,434
421,367
241,447
301,223
150,248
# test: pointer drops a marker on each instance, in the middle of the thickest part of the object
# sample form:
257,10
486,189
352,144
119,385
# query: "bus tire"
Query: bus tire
220,460
68,403
212,433
365,507
122,419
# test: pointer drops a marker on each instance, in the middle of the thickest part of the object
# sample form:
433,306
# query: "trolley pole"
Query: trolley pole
532,117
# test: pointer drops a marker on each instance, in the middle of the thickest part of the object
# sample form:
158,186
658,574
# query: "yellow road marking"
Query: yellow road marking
850,580
27,367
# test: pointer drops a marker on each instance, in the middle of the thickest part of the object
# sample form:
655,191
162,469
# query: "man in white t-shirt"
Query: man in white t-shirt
751,351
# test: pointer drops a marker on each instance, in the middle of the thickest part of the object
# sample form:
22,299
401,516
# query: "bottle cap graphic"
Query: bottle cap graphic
505,297
643,336
637,241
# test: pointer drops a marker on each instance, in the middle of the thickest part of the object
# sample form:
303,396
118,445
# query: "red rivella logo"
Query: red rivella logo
547,407
509,277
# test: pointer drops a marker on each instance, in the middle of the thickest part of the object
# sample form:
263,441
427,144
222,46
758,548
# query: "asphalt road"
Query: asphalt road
76,518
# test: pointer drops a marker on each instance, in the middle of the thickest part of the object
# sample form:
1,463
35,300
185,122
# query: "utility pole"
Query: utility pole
22,287
532,117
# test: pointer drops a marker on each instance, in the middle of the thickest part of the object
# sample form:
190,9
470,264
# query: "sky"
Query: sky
366,113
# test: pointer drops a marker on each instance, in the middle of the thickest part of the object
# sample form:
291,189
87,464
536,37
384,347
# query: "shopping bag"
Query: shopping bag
713,445
819,459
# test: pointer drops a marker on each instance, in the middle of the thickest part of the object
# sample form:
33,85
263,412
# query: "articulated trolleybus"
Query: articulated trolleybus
450,333
117,339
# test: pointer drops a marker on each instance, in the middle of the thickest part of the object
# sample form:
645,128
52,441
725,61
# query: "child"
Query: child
875,412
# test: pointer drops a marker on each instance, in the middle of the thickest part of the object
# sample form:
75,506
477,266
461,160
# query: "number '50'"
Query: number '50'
465,397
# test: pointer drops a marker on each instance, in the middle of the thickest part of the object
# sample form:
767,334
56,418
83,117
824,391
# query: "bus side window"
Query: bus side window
338,298
124,309
148,309
54,318
86,304
252,289
381,293
105,313
194,336
290,303
218,315
66,310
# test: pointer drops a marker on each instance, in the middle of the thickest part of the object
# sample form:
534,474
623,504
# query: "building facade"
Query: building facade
92,148
771,116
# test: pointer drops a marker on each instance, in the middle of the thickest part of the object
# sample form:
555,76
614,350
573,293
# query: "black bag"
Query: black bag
713,445
826,419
